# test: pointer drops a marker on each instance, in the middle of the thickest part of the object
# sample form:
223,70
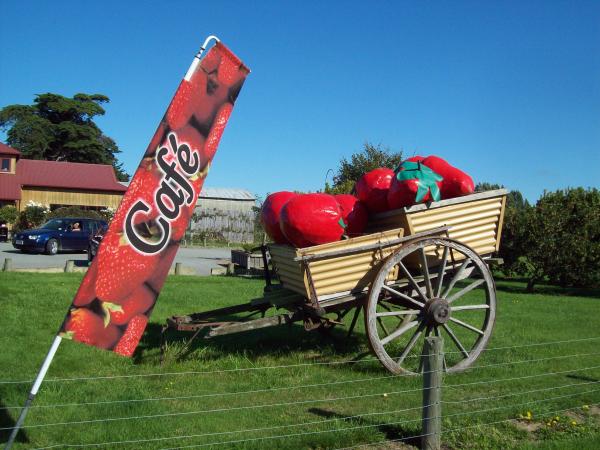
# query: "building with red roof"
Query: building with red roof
56,183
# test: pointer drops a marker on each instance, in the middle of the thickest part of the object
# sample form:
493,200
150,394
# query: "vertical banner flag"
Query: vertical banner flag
117,294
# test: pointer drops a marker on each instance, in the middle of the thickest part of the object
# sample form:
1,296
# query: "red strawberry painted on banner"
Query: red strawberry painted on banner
354,214
162,269
121,269
157,139
183,105
83,325
86,292
229,72
140,301
312,219
372,189
270,215
210,62
142,187
214,137
129,341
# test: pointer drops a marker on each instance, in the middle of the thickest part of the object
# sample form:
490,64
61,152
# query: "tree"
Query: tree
371,157
564,230
58,128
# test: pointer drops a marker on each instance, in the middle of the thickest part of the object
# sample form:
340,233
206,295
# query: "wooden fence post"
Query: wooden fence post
432,393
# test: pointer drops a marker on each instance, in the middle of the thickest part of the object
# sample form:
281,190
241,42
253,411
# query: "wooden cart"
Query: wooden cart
418,271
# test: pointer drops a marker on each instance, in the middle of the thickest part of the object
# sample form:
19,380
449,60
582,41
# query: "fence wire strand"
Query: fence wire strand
363,426
450,430
283,366
283,388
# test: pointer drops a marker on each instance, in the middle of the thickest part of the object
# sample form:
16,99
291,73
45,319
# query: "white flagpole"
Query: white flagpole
34,390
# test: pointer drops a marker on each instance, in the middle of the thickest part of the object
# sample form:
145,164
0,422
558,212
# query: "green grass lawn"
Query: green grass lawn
32,307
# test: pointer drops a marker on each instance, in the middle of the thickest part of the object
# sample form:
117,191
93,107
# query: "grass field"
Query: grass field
385,408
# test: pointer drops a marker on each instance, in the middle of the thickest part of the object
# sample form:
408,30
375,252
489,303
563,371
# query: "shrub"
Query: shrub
74,211
9,214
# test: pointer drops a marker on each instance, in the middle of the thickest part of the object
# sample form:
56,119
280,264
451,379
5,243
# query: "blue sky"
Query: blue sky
507,91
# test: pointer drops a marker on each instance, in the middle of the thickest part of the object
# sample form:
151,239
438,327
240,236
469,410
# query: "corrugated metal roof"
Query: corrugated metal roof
227,194
61,174
6,150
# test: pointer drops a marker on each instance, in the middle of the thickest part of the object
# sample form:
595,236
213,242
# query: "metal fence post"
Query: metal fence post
432,393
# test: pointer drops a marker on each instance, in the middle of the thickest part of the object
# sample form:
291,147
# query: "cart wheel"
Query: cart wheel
430,286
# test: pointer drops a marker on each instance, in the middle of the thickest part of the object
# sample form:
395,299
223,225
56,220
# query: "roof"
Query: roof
10,189
6,150
58,174
227,194
68,175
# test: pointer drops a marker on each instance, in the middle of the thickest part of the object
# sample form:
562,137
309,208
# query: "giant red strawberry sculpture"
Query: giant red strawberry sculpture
354,214
372,189
311,219
270,215
456,182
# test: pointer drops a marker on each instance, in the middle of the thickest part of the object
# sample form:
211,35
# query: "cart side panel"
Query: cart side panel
337,274
289,271
475,220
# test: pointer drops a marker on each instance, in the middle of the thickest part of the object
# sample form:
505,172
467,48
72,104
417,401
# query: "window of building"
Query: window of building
5,167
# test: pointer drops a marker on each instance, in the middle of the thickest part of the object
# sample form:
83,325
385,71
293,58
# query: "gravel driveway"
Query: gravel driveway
200,260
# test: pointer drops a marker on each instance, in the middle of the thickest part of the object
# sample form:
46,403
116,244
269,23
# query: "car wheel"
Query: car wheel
90,254
52,247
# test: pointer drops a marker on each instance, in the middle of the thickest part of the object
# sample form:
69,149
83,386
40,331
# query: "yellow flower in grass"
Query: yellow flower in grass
586,407
573,422
528,415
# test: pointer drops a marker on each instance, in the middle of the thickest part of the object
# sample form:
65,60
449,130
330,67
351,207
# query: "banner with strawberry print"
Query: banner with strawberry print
117,294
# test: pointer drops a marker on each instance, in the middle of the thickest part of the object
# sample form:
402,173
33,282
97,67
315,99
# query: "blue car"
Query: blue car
72,234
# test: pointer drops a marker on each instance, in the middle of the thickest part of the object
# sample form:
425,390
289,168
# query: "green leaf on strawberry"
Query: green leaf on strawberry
426,179
107,308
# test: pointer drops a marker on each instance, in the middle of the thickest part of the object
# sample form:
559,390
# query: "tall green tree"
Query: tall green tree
371,157
564,233
59,128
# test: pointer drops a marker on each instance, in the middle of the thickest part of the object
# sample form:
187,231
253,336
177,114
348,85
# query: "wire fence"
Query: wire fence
544,389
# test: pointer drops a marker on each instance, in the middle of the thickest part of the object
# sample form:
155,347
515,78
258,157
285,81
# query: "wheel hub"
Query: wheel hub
437,311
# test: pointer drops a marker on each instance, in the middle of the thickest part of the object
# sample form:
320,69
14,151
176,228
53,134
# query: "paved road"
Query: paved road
201,260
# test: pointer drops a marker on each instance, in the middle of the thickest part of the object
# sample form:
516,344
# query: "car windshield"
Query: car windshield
54,224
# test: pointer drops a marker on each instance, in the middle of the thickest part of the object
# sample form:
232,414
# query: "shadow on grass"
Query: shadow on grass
277,341
519,286
391,432
6,421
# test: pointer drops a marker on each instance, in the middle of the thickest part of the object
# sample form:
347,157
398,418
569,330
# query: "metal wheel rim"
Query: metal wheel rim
53,247
374,299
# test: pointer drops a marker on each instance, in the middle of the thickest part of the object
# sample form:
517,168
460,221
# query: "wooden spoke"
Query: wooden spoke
466,307
456,277
466,289
456,341
406,303
398,313
410,345
467,326
441,270
399,331
403,296
383,327
425,272
412,281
